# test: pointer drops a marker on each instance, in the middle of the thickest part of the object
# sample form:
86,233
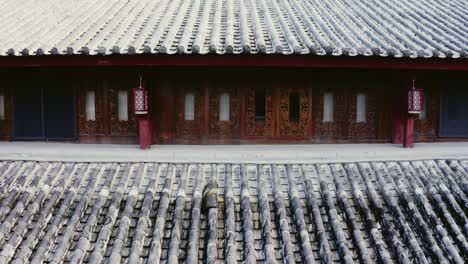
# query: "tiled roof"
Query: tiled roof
410,212
398,28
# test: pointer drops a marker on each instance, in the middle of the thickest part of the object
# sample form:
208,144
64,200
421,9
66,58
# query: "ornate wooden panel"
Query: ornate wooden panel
426,128
5,125
162,111
118,127
264,128
189,129
95,127
337,128
290,128
224,129
362,129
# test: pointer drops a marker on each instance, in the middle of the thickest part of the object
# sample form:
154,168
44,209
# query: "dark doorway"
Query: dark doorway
454,110
27,114
44,111
59,113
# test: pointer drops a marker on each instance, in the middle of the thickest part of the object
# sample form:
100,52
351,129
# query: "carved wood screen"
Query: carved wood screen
344,125
425,129
106,121
256,128
299,128
94,127
337,128
189,129
367,129
228,128
120,127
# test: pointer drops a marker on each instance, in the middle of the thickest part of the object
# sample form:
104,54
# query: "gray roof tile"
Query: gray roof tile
312,213
399,28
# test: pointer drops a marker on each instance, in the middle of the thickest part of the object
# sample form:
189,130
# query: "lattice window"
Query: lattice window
361,108
328,107
224,107
122,105
90,105
189,107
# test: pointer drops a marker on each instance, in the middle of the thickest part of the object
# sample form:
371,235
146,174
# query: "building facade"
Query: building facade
231,105
277,72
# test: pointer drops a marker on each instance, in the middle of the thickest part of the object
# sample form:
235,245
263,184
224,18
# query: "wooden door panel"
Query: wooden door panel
91,127
294,128
120,127
337,128
344,125
260,128
367,129
189,129
229,128
426,127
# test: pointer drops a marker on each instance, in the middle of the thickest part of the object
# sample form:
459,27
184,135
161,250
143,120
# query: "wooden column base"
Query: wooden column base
409,132
144,132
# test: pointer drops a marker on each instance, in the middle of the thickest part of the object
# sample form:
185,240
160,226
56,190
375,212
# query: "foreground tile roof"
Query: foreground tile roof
399,28
385,212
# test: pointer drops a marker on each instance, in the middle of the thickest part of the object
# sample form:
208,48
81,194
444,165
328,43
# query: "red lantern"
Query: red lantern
140,100
415,100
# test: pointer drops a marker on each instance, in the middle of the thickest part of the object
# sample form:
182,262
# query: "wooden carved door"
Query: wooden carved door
224,112
294,112
331,113
260,112
362,113
189,105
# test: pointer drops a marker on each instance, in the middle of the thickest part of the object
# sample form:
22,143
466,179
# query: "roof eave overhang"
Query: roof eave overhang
285,61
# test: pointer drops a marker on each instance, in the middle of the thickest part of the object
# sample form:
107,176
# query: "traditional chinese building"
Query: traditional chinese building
234,71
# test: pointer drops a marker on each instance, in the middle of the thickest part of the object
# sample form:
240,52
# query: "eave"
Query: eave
283,61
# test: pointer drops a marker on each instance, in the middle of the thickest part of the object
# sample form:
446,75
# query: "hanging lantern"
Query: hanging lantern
140,100
415,100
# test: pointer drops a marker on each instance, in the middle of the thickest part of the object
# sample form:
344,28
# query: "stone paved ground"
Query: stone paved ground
361,212
279,153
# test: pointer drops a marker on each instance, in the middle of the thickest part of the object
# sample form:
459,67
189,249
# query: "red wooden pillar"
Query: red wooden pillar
408,140
145,131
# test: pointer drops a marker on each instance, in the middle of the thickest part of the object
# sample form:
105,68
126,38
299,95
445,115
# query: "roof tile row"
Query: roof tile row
145,212
398,28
